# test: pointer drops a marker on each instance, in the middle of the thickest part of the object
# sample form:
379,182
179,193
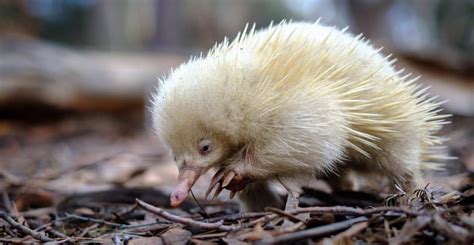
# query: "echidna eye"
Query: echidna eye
204,147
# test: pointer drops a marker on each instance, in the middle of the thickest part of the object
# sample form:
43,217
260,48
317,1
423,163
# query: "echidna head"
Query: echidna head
197,113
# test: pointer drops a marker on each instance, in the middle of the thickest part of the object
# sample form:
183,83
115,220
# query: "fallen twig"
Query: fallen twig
88,229
457,233
185,221
49,224
37,235
288,229
204,213
237,216
354,230
290,216
211,235
98,221
153,226
313,232
56,233
264,219
409,229
354,211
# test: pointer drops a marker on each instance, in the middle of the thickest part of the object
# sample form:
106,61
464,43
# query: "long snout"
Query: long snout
188,175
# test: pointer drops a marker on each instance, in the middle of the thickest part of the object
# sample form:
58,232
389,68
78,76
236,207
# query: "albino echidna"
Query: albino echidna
293,102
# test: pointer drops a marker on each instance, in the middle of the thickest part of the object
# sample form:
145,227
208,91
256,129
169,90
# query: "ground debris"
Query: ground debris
73,181
420,220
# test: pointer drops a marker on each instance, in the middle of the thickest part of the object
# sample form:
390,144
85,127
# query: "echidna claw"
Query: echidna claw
215,179
232,194
228,178
218,191
221,180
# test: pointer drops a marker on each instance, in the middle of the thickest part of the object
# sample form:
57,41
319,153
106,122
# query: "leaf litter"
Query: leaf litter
72,181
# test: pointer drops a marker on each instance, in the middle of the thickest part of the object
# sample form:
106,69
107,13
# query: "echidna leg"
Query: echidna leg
258,195
401,173
342,181
409,181
292,202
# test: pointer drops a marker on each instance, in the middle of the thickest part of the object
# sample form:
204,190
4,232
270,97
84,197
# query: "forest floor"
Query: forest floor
102,177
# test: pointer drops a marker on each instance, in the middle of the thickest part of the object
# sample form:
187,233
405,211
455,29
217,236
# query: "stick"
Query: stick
290,216
237,216
288,229
98,221
354,230
313,232
88,229
211,235
37,235
56,233
185,221
204,213
456,233
264,219
353,211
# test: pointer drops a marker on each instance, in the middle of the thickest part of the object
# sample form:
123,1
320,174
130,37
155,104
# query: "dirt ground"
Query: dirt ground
74,176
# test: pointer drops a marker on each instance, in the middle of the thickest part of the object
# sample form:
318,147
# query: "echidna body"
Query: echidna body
293,102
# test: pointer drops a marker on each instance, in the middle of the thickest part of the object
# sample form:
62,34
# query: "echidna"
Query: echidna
293,102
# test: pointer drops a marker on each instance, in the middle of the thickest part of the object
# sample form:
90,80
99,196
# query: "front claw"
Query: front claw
228,179
216,179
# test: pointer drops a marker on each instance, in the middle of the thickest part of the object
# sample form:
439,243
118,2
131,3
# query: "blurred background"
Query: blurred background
75,76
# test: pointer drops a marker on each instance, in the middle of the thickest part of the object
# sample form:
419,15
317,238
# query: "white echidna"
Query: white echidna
293,102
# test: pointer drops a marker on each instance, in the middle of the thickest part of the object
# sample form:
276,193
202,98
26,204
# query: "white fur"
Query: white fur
299,99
